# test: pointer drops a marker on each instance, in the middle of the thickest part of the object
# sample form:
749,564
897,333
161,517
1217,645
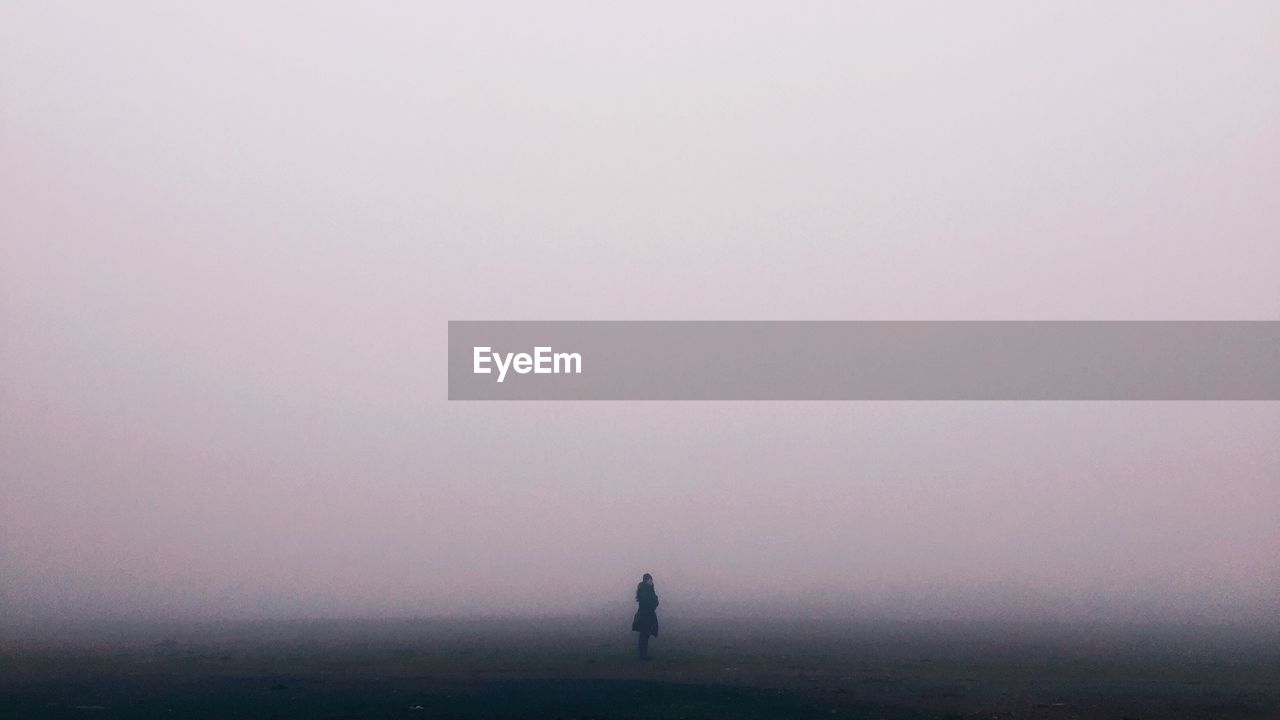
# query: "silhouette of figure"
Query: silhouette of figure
646,619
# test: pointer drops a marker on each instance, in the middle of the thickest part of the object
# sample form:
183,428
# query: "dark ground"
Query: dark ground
583,668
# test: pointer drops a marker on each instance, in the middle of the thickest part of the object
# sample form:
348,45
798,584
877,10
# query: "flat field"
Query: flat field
585,668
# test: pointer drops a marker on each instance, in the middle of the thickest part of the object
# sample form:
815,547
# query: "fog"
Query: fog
231,236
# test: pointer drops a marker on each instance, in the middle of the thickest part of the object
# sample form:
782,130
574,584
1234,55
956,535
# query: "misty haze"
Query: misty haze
231,237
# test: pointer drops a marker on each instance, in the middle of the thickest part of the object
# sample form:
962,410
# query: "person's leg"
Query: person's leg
644,645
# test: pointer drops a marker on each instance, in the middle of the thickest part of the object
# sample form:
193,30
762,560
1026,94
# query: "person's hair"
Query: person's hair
641,590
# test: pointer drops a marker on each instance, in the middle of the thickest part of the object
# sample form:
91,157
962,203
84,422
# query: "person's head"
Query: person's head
647,579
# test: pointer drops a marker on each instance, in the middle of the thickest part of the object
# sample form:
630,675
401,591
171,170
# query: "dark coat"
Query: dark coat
646,619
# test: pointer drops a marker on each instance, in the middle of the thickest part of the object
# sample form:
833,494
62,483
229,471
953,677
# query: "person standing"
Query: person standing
646,619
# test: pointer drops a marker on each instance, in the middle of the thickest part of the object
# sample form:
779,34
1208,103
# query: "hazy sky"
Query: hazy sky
231,235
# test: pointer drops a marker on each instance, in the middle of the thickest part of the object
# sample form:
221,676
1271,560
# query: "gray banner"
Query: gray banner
856,360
